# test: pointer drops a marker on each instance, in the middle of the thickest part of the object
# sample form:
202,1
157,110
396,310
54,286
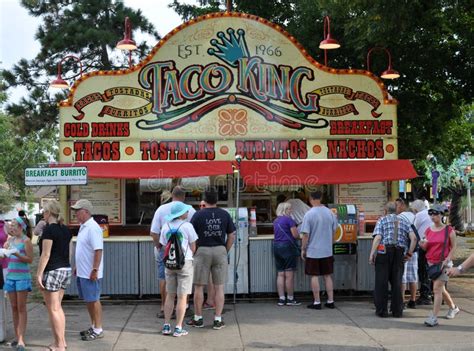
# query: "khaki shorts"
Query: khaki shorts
210,260
180,281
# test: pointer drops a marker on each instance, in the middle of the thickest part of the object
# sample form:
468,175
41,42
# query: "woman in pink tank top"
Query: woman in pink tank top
433,244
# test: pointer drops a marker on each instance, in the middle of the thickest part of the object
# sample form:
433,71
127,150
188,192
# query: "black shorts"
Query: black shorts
319,266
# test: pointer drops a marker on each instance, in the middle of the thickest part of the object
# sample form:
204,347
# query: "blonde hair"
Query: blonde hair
283,209
54,209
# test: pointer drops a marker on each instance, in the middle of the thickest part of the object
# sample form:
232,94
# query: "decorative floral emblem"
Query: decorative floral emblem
232,122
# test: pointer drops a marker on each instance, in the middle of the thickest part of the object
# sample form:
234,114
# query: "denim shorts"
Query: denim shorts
160,266
286,255
17,285
89,290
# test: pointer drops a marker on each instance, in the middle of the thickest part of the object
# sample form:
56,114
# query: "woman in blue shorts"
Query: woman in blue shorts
286,253
18,279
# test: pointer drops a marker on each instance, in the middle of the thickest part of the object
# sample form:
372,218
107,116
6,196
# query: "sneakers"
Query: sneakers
218,325
452,312
196,323
292,303
281,302
411,304
314,307
431,321
180,332
166,329
85,332
93,336
330,305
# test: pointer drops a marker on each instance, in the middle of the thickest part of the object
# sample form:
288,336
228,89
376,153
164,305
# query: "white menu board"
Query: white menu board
371,197
104,194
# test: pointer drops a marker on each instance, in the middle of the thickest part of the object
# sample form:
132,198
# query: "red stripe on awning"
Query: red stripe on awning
262,173
162,169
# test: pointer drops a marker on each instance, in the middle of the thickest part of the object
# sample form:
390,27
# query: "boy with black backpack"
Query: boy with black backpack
179,239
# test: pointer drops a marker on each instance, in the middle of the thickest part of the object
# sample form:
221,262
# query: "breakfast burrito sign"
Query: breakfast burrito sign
223,84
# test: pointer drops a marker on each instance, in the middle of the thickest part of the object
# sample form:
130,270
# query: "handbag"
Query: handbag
434,271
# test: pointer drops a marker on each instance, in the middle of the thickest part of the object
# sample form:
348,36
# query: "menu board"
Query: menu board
104,194
370,197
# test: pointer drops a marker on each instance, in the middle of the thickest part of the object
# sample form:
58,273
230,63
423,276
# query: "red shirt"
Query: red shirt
435,244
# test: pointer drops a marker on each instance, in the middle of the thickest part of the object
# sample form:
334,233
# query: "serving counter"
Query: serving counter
351,272
130,268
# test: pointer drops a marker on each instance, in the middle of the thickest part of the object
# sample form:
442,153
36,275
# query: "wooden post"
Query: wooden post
229,5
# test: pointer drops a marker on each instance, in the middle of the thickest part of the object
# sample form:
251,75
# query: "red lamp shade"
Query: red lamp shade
59,83
127,43
390,73
329,43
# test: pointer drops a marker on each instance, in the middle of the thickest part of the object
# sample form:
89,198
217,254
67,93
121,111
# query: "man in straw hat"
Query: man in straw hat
177,195
89,262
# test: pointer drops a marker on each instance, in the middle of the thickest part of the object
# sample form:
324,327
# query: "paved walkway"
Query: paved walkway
263,325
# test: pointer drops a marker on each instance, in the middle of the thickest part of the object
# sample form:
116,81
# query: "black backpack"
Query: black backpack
174,255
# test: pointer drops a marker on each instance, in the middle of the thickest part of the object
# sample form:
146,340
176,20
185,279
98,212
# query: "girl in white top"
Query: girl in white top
180,281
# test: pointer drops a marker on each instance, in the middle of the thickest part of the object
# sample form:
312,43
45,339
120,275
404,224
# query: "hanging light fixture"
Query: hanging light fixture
59,82
328,43
127,43
389,73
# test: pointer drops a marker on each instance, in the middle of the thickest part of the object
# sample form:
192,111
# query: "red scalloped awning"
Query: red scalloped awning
262,173
146,170
313,172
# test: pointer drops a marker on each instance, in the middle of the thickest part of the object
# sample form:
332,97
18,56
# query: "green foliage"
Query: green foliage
19,152
89,29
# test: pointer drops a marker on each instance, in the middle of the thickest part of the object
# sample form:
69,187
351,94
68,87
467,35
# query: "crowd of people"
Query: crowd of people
54,270
412,246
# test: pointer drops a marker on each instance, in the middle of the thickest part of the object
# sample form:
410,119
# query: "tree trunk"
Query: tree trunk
455,218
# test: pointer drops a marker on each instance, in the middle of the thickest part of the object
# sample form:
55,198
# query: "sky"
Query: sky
18,28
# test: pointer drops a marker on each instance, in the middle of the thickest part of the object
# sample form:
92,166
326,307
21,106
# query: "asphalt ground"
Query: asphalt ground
263,325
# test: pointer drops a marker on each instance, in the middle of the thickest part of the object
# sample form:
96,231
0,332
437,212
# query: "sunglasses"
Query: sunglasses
433,213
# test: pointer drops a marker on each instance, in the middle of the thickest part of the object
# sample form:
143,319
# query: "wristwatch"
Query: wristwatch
94,269
460,268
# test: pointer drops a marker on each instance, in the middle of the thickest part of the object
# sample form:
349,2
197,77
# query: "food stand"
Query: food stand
221,85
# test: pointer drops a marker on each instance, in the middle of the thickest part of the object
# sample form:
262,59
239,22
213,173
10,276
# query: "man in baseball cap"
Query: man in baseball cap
83,204
89,267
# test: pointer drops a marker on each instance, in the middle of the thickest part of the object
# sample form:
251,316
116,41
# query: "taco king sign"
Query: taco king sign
224,84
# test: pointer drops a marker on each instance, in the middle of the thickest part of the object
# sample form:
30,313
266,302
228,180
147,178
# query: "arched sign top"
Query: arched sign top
387,99
231,76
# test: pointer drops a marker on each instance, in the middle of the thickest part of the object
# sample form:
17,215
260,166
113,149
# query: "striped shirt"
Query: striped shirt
18,270
385,227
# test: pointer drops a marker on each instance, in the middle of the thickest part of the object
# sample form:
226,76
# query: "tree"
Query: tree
430,43
88,29
452,180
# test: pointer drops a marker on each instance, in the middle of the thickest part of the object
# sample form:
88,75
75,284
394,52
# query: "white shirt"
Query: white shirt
186,233
422,222
407,215
89,239
160,214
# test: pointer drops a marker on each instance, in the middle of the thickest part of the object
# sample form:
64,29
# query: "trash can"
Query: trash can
103,221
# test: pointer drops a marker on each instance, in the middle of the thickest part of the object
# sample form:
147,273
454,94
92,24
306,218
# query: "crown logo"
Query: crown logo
230,49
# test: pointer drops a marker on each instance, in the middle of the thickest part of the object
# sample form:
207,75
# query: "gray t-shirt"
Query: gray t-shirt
320,224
